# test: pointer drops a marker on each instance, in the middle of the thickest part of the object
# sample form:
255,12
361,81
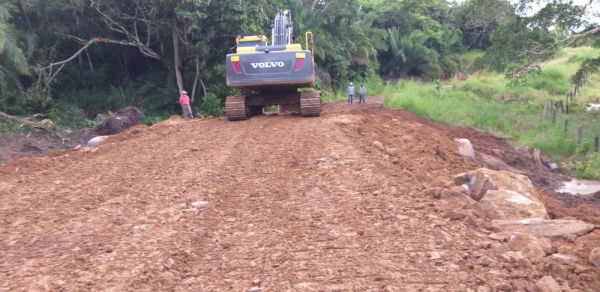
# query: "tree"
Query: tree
12,59
531,35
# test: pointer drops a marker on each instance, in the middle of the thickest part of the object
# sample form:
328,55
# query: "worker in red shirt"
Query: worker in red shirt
184,101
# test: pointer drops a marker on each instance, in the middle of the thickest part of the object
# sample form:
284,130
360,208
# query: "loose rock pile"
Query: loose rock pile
542,254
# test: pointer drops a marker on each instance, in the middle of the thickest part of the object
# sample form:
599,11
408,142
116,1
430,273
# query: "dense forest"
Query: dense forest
67,59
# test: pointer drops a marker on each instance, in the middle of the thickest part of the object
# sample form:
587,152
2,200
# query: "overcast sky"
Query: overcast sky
592,11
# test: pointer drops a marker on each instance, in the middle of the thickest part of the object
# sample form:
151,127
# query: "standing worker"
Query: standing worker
350,93
184,101
361,94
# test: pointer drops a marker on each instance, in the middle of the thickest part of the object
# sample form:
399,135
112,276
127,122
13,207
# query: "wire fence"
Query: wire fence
552,109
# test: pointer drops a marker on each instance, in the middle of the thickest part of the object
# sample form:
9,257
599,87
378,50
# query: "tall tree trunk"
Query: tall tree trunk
176,56
195,79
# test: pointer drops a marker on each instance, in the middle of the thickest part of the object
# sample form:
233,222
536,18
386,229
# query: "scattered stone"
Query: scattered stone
435,255
518,258
460,189
531,288
256,282
389,288
547,228
565,287
486,244
564,259
595,257
460,179
378,145
394,191
430,192
457,200
170,262
454,215
465,148
506,204
548,284
546,244
393,151
142,227
199,204
503,287
254,289
528,245
587,277
483,289
580,269
96,141
497,236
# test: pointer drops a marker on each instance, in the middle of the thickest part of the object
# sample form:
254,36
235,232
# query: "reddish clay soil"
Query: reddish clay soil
337,203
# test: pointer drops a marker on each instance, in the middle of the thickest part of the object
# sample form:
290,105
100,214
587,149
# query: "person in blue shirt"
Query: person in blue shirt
361,94
350,93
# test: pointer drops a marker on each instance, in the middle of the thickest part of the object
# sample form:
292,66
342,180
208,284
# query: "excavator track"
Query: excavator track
235,108
310,104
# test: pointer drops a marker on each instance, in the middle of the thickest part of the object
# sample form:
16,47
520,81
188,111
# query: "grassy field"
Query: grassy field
485,102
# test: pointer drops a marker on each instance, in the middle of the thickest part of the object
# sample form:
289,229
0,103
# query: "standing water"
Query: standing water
580,187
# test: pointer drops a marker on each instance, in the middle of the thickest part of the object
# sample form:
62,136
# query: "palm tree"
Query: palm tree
411,56
12,59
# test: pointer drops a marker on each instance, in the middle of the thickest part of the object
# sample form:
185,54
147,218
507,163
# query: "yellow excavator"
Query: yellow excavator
272,74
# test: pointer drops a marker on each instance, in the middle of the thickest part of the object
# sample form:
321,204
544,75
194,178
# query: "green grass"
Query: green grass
11,128
486,103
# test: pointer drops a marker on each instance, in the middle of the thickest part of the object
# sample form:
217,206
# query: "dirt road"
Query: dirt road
336,203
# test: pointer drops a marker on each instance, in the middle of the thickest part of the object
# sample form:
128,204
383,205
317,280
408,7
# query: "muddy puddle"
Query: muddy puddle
580,187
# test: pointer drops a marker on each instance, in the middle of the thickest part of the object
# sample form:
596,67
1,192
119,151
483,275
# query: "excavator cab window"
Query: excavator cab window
252,44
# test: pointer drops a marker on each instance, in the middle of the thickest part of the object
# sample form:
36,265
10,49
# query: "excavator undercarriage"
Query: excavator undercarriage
242,107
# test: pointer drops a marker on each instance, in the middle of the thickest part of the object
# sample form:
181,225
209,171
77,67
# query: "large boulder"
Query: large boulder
546,228
503,195
121,120
507,204
482,180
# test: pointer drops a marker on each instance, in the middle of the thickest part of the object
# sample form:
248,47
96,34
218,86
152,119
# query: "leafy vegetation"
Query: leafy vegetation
485,102
103,55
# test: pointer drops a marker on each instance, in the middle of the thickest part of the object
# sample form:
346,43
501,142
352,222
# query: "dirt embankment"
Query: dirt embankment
337,203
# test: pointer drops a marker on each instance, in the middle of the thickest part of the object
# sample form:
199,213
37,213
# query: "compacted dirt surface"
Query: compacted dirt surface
283,203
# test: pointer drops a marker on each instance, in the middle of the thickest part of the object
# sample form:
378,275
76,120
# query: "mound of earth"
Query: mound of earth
121,120
350,201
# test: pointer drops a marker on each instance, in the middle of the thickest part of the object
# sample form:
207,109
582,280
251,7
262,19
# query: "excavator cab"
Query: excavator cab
271,74
251,41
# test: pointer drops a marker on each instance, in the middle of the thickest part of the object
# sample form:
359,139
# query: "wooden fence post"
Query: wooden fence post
579,134
554,110
545,116
562,107
566,125
596,143
571,94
